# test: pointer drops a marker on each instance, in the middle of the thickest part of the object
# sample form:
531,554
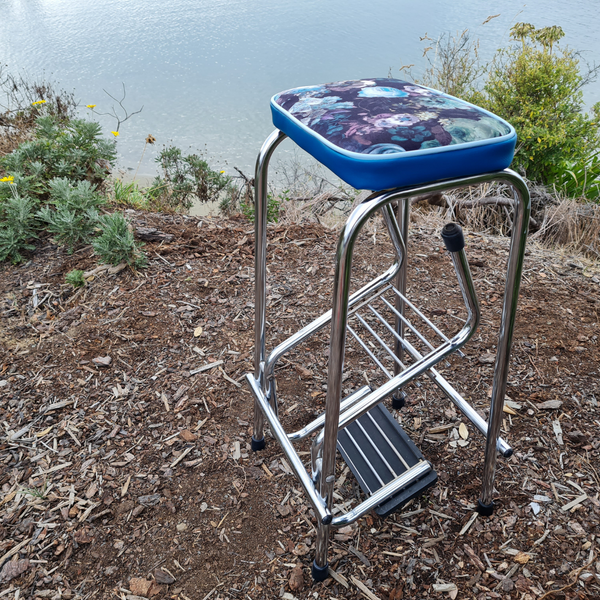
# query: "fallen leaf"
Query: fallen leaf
163,577
522,558
188,436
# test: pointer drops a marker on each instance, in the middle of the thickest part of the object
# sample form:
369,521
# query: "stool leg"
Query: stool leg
399,398
509,309
260,275
339,319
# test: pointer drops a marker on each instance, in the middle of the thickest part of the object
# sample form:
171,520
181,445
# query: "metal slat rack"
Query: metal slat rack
398,336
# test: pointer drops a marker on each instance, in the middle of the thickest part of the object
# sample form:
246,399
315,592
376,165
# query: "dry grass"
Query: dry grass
573,226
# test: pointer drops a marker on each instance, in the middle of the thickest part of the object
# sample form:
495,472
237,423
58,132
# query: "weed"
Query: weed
75,278
185,179
129,195
116,245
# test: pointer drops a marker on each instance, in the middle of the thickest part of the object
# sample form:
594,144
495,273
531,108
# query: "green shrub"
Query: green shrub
17,227
116,245
74,149
537,88
274,207
185,179
75,278
75,216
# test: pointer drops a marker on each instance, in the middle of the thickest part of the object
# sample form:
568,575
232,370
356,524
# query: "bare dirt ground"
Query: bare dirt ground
126,470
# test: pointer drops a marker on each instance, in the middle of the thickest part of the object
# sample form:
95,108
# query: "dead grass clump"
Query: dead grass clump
572,225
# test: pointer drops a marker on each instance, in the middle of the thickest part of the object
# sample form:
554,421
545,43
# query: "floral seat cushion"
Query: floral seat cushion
379,134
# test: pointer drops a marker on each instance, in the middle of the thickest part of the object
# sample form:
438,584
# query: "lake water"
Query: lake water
204,70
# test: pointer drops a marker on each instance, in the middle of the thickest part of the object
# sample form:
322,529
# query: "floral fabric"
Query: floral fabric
385,116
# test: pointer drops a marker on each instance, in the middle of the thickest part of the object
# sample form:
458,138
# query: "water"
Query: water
204,70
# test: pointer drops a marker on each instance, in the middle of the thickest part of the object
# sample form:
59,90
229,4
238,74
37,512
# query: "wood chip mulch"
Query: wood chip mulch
125,464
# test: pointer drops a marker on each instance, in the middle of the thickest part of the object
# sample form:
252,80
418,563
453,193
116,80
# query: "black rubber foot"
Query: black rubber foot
320,573
508,453
398,402
258,444
485,510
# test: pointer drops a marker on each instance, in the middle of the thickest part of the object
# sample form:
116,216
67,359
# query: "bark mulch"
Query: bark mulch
125,464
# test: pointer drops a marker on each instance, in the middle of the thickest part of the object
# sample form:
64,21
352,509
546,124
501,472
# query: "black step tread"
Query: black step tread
367,426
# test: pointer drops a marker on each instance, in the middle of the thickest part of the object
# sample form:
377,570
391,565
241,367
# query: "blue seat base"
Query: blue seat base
379,134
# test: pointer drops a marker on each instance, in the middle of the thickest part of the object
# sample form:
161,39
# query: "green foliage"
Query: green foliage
76,212
581,179
537,88
185,179
17,227
74,149
116,245
274,207
129,195
75,278
453,64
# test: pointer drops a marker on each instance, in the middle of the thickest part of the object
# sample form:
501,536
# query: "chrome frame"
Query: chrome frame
319,485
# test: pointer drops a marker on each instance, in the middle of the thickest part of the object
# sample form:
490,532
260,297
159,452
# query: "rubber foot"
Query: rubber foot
320,573
258,444
398,402
485,510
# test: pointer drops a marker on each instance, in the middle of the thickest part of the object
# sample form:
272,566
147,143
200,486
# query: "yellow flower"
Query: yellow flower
91,105
115,133
8,179
221,172
38,102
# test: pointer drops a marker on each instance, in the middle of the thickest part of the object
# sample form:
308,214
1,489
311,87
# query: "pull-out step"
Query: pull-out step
377,450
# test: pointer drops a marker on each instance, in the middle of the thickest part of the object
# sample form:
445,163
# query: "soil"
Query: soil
126,468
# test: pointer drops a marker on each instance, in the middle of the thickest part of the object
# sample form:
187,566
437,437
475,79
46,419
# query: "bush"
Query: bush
74,149
116,245
185,179
536,86
76,212
17,227
274,207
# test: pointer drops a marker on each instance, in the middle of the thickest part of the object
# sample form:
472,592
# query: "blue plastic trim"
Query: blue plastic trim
386,171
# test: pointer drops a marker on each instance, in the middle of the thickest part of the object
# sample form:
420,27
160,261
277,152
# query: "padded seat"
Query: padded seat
378,134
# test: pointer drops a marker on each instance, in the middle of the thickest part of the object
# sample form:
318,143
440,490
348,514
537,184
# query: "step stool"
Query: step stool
399,140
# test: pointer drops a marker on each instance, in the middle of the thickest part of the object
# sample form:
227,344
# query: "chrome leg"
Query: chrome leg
509,311
404,220
339,318
260,275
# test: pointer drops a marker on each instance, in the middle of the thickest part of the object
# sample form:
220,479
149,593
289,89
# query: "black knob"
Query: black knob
453,237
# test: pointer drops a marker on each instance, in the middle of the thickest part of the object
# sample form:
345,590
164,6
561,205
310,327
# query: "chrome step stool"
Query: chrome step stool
399,140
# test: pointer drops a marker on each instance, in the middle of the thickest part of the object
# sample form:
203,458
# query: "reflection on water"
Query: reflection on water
204,70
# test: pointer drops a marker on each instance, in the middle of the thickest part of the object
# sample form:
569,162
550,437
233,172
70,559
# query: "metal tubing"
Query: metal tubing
401,280
323,514
260,267
339,319
417,472
351,400
509,311
324,319
453,395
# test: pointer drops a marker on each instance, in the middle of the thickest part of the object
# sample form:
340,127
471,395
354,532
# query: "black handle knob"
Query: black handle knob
453,237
